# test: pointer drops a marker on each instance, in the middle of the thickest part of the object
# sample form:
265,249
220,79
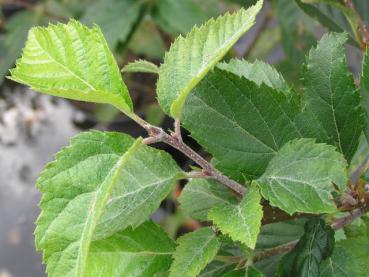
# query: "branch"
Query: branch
364,33
157,134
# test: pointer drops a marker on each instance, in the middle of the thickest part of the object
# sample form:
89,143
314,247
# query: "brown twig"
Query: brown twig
157,134
364,33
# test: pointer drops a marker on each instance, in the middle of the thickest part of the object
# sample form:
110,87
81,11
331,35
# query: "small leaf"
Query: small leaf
101,184
241,222
315,245
258,72
330,93
194,251
200,195
300,177
116,18
248,272
191,58
141,66
72,61
144,251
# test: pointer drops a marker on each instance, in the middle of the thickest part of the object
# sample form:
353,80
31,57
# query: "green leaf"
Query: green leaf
300,177
200,195
72,61
194,251
191,58
276,234
16,29
258,72
330,93
178,17
141,66
241,222
350,258
116,18
315,245
144,251
99,185
240,123
216,269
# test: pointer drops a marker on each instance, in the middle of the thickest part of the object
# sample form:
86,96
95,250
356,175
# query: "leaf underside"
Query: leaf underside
101,184
190,58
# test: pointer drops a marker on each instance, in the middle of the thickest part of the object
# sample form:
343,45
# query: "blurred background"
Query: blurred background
33,127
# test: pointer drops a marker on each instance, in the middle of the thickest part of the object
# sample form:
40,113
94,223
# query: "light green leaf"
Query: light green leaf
190,59
141,66
330,93
200,195
241,222
350,258
315,245
194,251
300,177
144,251
258,72
16,29
99,185
116,18
240,123
72,61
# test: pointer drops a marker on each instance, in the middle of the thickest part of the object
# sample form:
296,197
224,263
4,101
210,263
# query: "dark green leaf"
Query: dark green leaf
330,93
315,245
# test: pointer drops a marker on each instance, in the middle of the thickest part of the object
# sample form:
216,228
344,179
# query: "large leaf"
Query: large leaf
194,251
301,177
200,195
241,221
101,184
190,58
330,93
258,72
314,246
240,123
350,258
72,61
116,18
144,251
